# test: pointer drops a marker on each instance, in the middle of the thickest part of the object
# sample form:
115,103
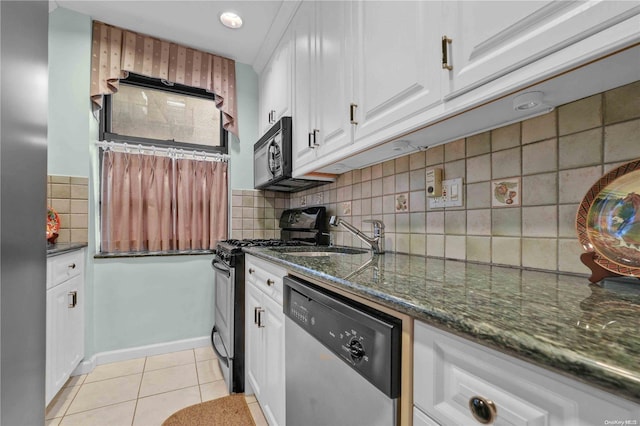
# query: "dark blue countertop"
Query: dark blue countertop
560,322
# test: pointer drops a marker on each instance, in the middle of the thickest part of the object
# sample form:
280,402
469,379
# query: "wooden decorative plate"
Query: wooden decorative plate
608,220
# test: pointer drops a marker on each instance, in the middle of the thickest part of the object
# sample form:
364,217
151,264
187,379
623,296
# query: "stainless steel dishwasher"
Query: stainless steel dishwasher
342,360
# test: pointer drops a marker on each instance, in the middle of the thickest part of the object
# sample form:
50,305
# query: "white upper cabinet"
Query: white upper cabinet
397,73
368,72
322,79
275,86
334,70
491,39
303,108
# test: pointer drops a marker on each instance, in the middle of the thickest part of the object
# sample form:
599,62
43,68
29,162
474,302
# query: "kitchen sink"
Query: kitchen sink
320,252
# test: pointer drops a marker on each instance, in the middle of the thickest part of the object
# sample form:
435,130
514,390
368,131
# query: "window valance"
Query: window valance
116,51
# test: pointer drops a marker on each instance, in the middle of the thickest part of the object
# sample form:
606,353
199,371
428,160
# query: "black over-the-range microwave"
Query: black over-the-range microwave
272,160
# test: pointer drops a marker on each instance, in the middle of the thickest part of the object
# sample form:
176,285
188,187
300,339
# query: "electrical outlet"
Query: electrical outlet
452,195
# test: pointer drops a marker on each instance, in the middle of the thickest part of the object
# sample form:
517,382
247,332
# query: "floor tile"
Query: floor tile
204,353
213,390
153,410
61,402
169,360
53,422
168,379
118,414
258,416
106,392
116,369
209,371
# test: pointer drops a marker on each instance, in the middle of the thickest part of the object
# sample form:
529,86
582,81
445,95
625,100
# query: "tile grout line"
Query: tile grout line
135,409
72,399
197,375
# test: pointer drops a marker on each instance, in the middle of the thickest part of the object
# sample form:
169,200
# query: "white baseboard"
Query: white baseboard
87,365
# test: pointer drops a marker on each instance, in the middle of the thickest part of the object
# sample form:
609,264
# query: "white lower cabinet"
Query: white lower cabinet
450,372
264,344
64,319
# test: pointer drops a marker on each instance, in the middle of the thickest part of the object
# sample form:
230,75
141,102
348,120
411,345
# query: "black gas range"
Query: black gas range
226,250
298,227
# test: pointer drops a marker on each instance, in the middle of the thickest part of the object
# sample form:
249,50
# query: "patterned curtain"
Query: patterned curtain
115,52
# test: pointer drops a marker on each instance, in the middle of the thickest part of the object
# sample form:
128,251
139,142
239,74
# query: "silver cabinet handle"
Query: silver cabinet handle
251,270
352,113
483,410
72,266
73,299
255,315
270,282
311,145
315,133
445,53
260,323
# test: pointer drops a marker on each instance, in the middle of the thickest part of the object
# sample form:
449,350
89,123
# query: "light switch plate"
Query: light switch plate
452,195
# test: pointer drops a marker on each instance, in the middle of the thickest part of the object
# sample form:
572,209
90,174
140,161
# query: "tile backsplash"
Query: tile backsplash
554,158
69,197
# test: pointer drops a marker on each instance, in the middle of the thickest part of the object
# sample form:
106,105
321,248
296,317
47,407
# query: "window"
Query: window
151,111
164,184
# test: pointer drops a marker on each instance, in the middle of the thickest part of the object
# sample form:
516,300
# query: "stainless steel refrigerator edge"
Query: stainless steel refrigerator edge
23,175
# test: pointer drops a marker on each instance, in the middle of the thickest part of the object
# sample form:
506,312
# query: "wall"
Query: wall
241,149
23,157
68,87
132,302
556,158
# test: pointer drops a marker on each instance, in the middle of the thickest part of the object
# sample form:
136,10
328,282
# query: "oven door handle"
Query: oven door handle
225,271
215,338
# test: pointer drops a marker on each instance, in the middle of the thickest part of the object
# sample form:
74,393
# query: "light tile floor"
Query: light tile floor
142,392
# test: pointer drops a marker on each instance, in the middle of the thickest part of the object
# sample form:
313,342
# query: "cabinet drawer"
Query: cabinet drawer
266,276
62,267
449,371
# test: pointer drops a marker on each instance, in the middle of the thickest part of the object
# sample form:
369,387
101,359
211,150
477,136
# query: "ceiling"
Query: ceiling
196,23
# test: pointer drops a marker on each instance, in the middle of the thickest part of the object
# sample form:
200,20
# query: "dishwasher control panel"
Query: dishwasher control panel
366,339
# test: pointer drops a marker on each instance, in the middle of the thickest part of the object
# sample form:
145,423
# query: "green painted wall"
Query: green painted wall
148,300
69,103
241,150
140,301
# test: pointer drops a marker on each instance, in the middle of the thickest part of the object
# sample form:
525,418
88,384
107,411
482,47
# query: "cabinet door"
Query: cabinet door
254,351
274,356
449,371
57,338
74,324
304,107
275,85
519,34
334,63
398,63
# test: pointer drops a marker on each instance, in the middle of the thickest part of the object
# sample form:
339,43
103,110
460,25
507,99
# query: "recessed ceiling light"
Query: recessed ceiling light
231,20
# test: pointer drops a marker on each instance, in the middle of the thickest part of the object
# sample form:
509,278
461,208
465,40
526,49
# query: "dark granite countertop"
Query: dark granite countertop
60,248
561,322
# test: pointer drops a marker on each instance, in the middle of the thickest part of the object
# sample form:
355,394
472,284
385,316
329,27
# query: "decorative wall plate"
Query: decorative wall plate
53,222
608,220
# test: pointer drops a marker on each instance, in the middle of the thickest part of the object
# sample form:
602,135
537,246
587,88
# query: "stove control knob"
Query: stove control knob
356,349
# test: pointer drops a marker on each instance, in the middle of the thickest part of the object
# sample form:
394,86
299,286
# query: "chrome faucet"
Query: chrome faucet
376,242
